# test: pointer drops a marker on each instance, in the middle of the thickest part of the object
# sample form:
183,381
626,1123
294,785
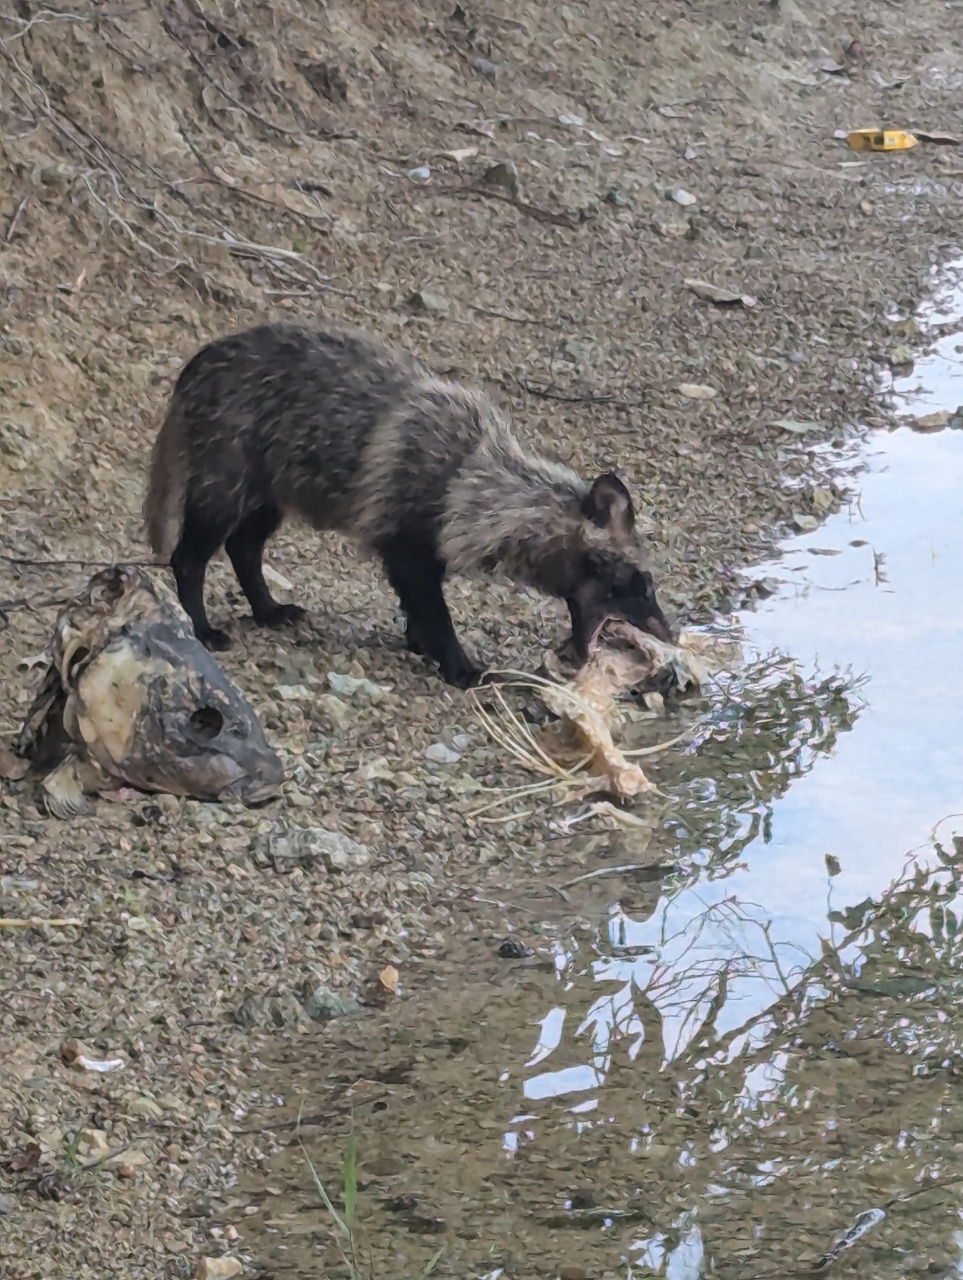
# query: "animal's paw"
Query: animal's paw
282,615
215,640
465,676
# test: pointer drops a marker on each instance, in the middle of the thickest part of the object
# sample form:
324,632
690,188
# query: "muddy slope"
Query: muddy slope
174,171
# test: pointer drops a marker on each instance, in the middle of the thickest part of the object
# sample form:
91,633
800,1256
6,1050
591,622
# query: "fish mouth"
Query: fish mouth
251,792
656,627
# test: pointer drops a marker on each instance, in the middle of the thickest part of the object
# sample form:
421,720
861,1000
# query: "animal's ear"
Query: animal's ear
608,504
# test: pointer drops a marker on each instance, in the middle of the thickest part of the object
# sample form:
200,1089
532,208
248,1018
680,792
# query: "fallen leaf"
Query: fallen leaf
940,139
389,978
697,391
723,297
459,154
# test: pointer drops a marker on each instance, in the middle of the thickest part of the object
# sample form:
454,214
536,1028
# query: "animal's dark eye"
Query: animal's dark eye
207,722
642,585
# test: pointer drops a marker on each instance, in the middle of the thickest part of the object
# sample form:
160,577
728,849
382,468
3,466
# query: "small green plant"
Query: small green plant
345,1231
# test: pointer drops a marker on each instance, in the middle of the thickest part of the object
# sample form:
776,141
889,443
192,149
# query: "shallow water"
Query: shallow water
747,1062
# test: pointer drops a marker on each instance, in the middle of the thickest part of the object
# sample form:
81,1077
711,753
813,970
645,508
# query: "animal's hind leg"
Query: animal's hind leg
416,573
245,547
202,534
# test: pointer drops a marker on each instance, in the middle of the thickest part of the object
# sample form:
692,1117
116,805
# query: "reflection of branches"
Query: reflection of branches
902,945
765,729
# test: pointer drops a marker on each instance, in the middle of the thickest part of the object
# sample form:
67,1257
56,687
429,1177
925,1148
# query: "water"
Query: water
748,1064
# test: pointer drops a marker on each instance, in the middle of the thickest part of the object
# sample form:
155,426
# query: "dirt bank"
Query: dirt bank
172,172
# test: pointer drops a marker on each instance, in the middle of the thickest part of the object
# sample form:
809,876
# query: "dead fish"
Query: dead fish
133,698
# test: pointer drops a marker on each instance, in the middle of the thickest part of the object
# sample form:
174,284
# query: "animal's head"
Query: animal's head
609,582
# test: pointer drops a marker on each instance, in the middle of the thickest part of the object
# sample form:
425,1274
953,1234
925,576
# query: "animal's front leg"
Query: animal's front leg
416,573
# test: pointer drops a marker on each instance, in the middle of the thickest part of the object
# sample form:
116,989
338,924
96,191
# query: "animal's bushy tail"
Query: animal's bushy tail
167,486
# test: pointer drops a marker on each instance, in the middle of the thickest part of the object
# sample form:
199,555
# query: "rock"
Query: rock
681,196
127,1162
931,421
269,1012
441,753
513,949
697,391
804,523
617,197
673,229
298,798
293,692
485,68
426,301
323,1004
306,846
144,1106
901,357
421,173
218,1268
7,1205
92,1145
503,176
337,851
50,1140
352,688
796,427
336,711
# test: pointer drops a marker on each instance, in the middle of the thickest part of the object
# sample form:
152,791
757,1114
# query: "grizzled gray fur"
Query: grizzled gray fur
352,435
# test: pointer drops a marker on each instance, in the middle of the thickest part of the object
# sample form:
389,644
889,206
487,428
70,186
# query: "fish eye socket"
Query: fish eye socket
207,722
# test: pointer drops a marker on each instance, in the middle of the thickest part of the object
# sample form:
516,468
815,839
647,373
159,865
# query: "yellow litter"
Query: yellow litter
881,140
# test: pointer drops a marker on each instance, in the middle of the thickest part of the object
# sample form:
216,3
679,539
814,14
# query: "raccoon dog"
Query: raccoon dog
354,436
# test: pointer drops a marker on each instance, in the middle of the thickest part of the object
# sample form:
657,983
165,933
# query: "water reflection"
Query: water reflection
789,770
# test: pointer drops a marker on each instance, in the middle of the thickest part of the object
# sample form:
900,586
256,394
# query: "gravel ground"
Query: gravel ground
487,186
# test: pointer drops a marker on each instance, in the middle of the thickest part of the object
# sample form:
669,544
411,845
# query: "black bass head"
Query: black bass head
608,580
199,736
